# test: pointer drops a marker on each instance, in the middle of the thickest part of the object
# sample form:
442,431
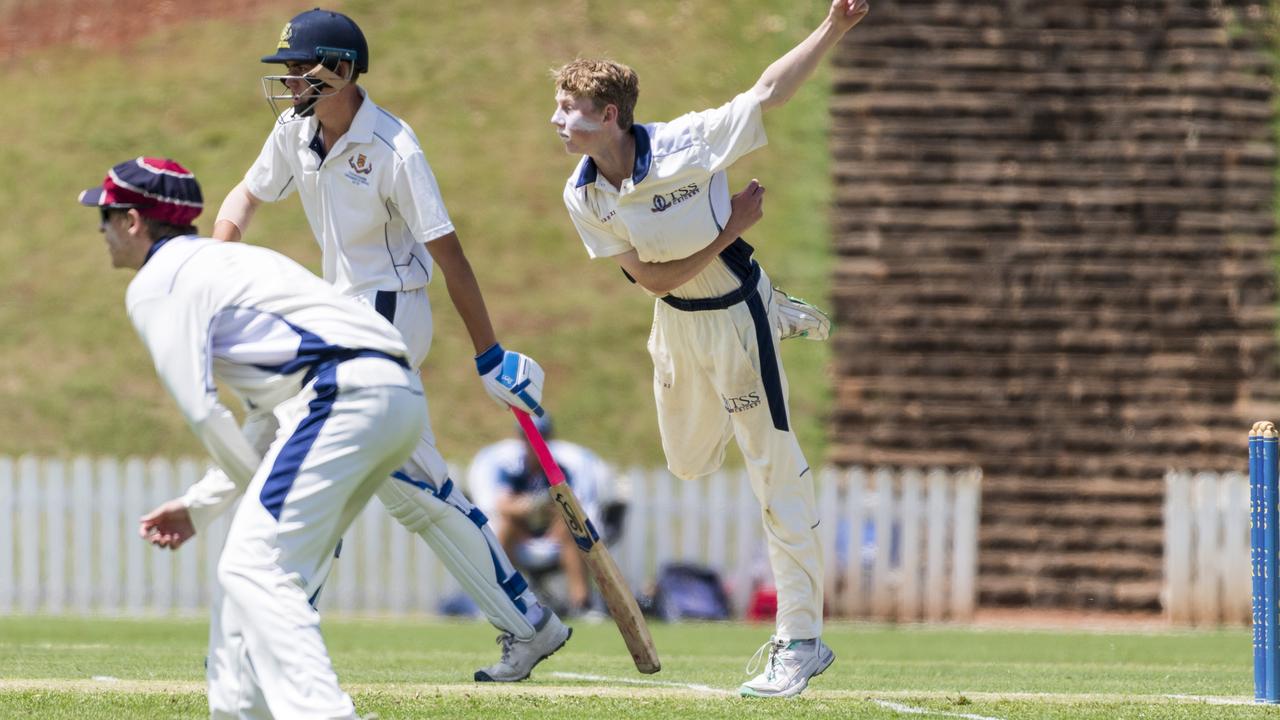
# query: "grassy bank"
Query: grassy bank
471,78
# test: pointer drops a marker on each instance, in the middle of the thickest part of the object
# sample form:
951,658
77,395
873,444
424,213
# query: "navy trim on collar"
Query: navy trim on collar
589,172
317,144
158,243
156,246
644,154
644,158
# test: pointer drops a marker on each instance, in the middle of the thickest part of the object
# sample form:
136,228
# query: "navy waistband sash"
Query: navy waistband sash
748,292
729,299
345,354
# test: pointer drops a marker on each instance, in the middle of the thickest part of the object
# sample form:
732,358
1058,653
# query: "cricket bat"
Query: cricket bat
617,596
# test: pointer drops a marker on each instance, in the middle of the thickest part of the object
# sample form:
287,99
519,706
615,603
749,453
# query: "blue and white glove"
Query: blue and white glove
511,379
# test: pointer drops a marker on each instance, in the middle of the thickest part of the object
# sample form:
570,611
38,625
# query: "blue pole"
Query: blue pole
1271,544
1255,564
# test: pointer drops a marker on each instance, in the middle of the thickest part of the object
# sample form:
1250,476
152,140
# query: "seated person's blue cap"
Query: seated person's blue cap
543,424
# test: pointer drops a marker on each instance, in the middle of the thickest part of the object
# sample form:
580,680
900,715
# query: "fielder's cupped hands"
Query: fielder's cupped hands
168,526
847,13
746,208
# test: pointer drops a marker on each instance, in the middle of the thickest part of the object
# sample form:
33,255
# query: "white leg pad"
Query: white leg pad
460,536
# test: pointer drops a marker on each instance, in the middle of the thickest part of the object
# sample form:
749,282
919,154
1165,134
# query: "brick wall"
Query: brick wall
1053,229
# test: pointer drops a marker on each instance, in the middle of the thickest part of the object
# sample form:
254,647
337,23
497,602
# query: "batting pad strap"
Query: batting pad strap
403,477
446,489
514,586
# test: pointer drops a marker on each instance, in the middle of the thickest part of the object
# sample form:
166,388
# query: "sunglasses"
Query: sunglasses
106,210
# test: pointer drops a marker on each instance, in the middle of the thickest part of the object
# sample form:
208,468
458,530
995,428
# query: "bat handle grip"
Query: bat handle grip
549,466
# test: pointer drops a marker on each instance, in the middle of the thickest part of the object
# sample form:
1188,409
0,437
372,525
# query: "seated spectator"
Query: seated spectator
506,482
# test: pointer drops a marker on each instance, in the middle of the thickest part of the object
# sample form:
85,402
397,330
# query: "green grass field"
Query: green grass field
114,669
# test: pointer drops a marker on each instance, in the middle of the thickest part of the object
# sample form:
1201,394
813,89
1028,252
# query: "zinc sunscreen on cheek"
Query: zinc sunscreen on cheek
578,123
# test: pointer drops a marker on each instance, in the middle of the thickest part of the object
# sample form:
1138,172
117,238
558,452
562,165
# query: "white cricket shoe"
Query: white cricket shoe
788,668
519,656
797,318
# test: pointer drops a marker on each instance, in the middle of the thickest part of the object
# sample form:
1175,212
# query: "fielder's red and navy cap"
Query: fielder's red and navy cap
158,187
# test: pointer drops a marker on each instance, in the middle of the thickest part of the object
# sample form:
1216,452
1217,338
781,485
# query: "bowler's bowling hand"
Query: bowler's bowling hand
845,14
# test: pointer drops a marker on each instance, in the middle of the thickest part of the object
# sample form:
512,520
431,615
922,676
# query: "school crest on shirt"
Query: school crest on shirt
360,167
360,164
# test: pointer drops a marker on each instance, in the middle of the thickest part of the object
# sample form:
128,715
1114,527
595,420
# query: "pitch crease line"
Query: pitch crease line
1214,699
910,710
636,681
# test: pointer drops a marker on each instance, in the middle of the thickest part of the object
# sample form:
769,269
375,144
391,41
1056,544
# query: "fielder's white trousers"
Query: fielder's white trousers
709,388
339,439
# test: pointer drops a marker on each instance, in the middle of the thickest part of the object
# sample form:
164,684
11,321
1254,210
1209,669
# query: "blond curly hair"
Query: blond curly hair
604,82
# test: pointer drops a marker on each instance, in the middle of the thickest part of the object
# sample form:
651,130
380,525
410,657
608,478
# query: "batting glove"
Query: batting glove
511,379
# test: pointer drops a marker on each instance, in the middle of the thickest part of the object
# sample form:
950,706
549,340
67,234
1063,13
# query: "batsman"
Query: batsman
375,209
654,197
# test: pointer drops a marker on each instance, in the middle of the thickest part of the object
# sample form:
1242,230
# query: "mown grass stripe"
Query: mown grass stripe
610,686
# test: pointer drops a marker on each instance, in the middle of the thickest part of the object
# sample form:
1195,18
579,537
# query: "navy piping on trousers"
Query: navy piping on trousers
285,469
737,257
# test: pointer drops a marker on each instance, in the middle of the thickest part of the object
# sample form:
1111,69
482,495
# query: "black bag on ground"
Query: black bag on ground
686,591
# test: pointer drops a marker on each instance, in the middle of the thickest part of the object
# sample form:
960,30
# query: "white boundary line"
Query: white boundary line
636,681
1215,700
909,710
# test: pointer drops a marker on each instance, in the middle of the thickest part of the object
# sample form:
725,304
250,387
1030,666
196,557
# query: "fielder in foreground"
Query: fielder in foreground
328,370
375,208
655,198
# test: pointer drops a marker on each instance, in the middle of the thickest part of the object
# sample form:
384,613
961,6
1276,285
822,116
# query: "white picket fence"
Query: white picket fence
1206,548
897,544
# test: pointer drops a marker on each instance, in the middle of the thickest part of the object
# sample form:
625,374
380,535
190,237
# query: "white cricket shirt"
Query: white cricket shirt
215,314
677,199
372,202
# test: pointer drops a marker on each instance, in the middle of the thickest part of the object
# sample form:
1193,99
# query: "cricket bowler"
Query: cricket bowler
654,197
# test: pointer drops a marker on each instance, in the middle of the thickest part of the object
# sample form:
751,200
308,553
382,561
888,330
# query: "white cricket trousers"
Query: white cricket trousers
709,387
422,498
340,438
